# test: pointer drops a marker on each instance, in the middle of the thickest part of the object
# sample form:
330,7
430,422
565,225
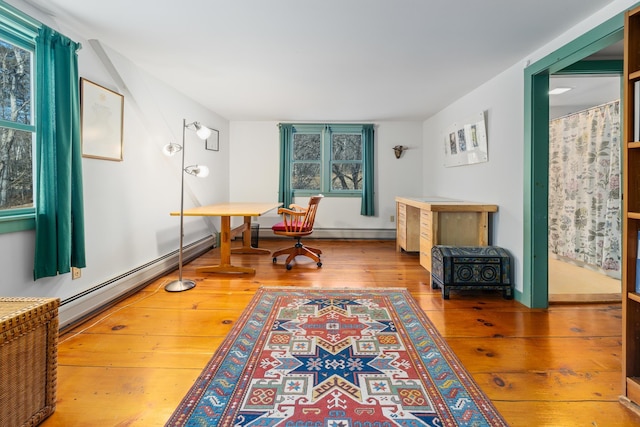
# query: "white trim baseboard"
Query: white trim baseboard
86,304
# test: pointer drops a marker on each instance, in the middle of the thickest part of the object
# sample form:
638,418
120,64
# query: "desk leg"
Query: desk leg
225,253
246,241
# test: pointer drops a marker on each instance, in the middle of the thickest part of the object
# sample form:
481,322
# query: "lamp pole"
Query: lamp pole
180,284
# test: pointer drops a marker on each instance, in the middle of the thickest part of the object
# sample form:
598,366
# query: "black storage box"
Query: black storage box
471,267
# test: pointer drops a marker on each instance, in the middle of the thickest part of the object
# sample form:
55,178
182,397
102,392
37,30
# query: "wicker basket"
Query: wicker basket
28,360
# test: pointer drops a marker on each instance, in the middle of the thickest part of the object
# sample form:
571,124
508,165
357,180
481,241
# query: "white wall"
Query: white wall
254,168
498,181
127,204
501,179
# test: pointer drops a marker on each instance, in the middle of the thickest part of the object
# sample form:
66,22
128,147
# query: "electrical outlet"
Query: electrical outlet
392,218
76,273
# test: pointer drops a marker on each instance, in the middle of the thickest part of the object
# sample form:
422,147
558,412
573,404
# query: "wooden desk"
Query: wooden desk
424,222
225,211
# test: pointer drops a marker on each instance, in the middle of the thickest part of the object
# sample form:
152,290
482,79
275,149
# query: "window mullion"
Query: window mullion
327,161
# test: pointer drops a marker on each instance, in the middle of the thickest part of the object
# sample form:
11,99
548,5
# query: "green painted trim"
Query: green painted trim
18,27
517,295
589,43
11,224
590,67
17,126
536,161
536,150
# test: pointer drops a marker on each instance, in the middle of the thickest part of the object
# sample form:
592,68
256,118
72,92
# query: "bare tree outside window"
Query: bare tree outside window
16,156
306,156
327,159
346,165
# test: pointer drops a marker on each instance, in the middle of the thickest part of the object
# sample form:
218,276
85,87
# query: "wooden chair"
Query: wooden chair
297,222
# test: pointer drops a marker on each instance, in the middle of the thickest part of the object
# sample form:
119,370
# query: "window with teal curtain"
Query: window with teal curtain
336,160
54,205
59,200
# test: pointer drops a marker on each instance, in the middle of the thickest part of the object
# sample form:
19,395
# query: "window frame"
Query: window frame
21,30
326,161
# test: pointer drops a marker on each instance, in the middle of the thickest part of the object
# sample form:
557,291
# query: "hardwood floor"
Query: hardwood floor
132,364
570,282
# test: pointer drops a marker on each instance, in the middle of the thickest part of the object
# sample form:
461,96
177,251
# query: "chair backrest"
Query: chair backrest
298,220
310,216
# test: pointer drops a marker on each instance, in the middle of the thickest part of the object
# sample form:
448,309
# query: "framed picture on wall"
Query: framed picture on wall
102,121
213,142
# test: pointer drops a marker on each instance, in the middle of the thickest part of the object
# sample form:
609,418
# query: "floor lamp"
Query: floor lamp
203,133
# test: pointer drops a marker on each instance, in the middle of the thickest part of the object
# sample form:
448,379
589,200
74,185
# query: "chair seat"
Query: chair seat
297,222
294,226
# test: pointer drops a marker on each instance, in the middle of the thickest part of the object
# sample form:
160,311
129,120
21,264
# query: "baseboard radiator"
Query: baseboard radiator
90,302
342,233
86,304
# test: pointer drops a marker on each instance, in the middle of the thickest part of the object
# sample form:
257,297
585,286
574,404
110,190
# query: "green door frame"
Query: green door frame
535,290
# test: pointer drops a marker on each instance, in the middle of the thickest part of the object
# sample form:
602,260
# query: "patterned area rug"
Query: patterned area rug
334,358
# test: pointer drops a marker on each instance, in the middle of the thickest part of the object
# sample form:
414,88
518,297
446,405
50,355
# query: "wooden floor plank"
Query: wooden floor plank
551,323
549,413
107,396
150,351
132,364
537,354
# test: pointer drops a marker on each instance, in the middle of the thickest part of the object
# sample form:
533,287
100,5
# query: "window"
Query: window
16,128
40,100
332,159
327,159
17,125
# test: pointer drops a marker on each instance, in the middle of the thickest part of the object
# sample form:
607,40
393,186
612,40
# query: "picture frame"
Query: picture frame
213,142
101,118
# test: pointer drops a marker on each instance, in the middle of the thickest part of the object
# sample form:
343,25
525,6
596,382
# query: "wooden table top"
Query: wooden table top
444,204
231,209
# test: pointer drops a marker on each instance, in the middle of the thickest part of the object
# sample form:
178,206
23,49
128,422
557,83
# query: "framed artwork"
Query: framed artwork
102,121
213,142
466,143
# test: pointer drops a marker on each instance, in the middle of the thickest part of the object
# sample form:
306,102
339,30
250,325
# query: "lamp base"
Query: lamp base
180,285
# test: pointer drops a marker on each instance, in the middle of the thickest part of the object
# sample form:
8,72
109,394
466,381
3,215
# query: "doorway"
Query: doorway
585,206
536,150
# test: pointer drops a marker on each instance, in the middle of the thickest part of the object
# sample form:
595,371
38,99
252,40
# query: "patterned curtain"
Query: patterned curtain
584,186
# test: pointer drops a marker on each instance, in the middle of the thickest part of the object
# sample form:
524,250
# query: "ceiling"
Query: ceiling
331,60
586,91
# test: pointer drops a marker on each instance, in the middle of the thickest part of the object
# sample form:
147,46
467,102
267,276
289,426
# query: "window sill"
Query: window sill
13,223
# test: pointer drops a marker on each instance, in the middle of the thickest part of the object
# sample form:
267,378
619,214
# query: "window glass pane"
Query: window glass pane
345,146
16,178
306,146
346,176
15,83
306,176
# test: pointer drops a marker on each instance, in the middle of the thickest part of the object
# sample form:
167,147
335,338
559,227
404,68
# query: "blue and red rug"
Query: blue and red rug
334,358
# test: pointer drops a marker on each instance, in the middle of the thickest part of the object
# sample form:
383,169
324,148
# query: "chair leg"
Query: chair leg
314,250
277,253
298,250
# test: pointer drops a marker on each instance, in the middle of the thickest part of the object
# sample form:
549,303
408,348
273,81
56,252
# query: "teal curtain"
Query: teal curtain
285,195
58,174
367,207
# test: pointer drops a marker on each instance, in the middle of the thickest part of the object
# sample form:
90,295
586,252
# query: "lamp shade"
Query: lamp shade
171,149
203,132
200,171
